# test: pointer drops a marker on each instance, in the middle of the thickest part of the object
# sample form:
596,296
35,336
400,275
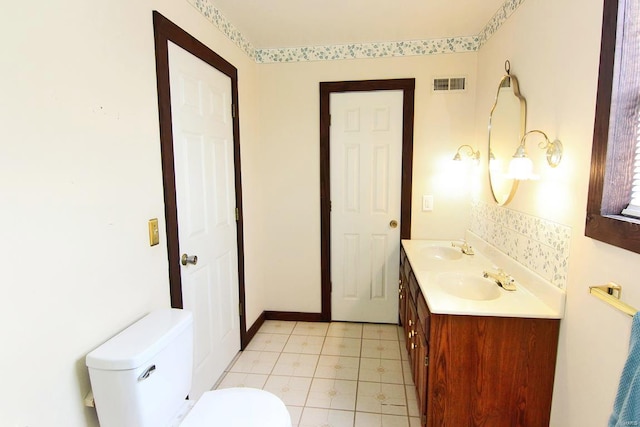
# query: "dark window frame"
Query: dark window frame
611,159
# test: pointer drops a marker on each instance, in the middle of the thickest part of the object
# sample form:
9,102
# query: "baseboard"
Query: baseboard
251,332
293,316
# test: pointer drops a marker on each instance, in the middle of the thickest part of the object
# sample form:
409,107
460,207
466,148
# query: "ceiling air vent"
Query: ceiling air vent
450,84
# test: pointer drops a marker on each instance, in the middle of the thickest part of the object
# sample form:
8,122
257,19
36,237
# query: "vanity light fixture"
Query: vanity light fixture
474,154
521,166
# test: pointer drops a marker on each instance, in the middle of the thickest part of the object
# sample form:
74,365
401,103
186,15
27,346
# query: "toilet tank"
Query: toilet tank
142,376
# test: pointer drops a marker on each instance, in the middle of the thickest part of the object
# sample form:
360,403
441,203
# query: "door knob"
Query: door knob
186,259
393,223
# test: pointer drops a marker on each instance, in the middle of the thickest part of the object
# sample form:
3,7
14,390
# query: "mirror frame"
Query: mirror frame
523,127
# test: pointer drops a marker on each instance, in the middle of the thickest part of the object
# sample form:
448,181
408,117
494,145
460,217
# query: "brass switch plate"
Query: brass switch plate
154,233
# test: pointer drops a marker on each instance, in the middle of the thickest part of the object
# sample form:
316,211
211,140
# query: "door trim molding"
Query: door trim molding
166,31
326,88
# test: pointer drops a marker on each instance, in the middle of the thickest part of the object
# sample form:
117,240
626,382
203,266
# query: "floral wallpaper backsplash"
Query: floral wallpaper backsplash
358,50
538,244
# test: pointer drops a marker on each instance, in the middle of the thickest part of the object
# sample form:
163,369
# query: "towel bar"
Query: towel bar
610,293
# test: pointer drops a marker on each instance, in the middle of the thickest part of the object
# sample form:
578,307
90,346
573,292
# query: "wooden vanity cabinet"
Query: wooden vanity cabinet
478,370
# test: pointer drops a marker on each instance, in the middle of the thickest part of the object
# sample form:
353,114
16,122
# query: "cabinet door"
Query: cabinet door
402,296
421,370
410,329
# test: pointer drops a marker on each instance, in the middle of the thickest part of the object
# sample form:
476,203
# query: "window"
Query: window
633,210
614,187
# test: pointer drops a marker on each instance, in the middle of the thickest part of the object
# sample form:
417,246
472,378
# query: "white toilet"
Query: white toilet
142,376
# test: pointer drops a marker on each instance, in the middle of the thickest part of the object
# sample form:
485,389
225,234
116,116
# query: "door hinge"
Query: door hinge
233,110
237,214
330,206
426,361
329,119
240,309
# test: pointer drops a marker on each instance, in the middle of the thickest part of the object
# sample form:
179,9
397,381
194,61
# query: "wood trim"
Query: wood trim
293,316
599,226
326,88
252,331
166,31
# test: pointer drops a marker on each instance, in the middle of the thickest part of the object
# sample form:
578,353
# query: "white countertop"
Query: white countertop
533,298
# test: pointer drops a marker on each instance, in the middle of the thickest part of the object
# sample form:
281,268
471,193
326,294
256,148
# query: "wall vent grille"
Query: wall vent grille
450,84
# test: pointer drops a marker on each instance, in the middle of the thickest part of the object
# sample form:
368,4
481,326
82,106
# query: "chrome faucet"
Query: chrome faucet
504,280
464,247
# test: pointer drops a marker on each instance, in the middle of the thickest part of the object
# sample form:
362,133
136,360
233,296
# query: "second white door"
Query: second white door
366,171
205,194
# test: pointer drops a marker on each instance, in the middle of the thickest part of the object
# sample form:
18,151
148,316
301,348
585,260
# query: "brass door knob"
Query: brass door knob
393,223
189,259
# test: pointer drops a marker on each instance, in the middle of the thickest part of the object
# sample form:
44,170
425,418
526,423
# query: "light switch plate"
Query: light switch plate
154,233
427,203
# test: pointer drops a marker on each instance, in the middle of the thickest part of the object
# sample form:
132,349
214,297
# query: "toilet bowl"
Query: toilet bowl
238,407
142,377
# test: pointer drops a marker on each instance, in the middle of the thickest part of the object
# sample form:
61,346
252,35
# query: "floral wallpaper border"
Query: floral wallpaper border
539,244
358,50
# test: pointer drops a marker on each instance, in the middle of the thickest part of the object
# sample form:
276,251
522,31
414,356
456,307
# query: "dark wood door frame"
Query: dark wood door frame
326,88
166,31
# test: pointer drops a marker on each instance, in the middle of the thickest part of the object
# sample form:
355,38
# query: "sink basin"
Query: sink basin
468,286
441,253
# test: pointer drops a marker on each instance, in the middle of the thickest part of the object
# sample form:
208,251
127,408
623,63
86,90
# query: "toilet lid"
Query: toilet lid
238,407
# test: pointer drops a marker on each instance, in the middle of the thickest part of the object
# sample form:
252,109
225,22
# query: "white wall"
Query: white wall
289,111
80,176
554,50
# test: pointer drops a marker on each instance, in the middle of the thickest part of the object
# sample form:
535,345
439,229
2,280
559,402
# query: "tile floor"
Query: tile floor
331,374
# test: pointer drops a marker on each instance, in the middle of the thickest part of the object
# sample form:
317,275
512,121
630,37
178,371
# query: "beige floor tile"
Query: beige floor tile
381,398
304,344
381,370
380,349
380,332
332,394
341,346
311,328
277,327
317,417
295,412
241,379
337,367
412,401
255,362
345,329
291,390
337,374
406,371
268,342
296,365
380,420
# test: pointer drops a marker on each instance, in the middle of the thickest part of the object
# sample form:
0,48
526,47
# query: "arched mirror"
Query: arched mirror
507,124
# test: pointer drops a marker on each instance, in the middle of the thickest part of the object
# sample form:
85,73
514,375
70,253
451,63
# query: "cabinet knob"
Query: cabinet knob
413,346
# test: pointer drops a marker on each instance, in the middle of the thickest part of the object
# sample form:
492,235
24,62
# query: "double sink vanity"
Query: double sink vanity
481,355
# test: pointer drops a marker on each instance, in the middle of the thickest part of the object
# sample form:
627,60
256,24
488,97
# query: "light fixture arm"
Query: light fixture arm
553,149
474,154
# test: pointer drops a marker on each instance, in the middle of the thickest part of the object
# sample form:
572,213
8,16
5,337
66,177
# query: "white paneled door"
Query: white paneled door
205,193
366,169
